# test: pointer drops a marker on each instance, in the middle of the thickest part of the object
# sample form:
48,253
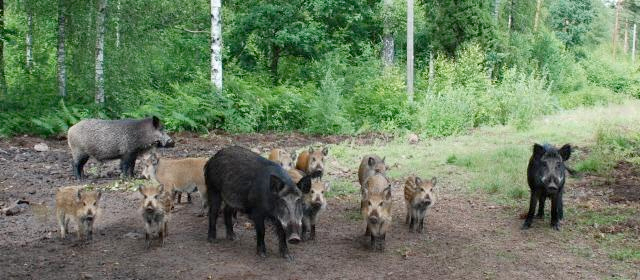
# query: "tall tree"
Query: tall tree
117,20
536,18
62,72
633,44
616,27
216,46
387,40
410,50
571,19
101,29
3,81
29,37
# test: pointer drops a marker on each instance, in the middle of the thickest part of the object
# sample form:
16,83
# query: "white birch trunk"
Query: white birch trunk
387,40
496,9
626,38
432,69
633,44
410,50
536,18
62,72
216,46
615,28
29,38
117,19
100,26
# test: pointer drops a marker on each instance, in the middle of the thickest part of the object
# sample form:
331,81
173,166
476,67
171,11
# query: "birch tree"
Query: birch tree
633,44
216,46
3,81
100,26
387,40
62,73
410,50
29,37
536,18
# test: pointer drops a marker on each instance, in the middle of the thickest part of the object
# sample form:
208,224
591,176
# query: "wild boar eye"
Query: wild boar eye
84,203
369,202
155,196
313,159
95,203
380,204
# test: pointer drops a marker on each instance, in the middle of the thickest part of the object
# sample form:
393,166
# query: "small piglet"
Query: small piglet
81,206
155,209
376,209
314,203
546,176
418,197
312,160
285,159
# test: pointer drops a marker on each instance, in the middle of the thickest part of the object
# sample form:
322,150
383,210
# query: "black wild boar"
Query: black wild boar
546,176
114,139
245,181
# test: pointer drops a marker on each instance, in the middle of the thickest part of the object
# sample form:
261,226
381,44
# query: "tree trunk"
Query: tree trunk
615,28
117,20
633,44
626,38
100,26
29,39
387,40
410,50
275,59
3,81
62,73
216,46
496,10
432,69
536,18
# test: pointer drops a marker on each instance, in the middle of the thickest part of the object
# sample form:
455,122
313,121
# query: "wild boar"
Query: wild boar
82,206
312,160
155,210
376,209
114,139
370,165
245,181
282,157
314,203
177,175
295,175
546,177
418,197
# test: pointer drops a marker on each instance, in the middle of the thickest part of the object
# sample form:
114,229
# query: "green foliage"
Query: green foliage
571,19
613,144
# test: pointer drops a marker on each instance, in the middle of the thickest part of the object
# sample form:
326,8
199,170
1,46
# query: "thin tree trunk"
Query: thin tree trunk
216,46
29,39
117,20
510,23
3,81
62,73
536,18
387,40
275,59
432,68
626,37
410,50
615,28
100,26
633,44
496,10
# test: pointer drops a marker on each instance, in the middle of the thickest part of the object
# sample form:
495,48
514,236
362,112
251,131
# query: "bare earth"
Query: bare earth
466,236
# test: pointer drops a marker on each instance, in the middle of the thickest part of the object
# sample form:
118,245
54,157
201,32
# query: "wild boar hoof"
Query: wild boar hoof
231,236
556,227
288,257
526,226
262,254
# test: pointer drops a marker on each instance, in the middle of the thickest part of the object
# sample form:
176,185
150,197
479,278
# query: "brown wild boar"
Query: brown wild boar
370,165
295,175
282,157
376,209
155,209
418,197
314,203
312,160
177,175
82,206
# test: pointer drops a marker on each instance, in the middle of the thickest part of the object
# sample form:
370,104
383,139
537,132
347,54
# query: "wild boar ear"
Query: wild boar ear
161,188
434,180
305,183
154,159
371,162
327,186
387,192
79,194
275,184
538,150
99,195
156,122
293,155
383,158
141,189
311,150
565,152
418,181
325,151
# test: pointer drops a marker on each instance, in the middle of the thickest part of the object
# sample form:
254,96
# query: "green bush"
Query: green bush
447,113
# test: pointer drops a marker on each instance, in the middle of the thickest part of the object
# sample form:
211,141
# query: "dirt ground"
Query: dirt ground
466,236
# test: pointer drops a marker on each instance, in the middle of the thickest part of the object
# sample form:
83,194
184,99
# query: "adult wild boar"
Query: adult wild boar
546,176
245,181
114,139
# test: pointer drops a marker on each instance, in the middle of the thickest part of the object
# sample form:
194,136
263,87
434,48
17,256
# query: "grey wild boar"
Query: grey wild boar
114,139
376,209
156,210
314,204
177,175
82,206
312,160
285,159
546,176
245,181
370,165
418,197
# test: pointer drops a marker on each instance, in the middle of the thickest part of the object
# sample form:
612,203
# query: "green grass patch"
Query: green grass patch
626,254
342,187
